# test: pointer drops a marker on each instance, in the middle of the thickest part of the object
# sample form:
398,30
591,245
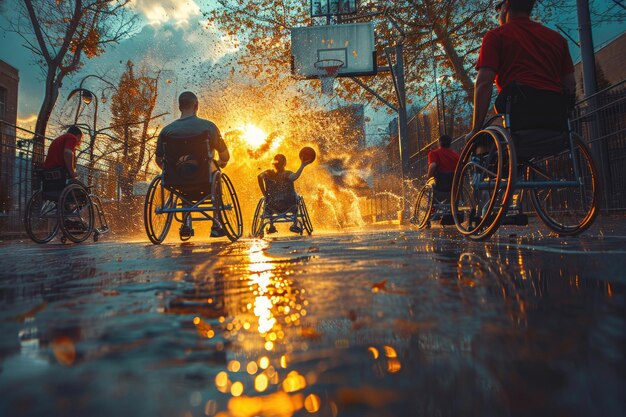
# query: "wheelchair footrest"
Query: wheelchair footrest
519,219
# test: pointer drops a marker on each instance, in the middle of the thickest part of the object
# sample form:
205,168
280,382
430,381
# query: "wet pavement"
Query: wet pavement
391,322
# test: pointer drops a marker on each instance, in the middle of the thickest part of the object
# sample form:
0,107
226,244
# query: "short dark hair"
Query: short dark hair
445,141
75,130
187,100
524,6
281,159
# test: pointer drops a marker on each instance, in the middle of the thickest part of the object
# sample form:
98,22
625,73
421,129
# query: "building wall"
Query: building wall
9,80
610,65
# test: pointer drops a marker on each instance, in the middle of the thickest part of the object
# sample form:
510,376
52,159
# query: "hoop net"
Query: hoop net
327,70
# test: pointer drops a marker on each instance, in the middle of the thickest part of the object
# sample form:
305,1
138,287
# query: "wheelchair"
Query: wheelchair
433,201
555,168
265,215
190,188
69,207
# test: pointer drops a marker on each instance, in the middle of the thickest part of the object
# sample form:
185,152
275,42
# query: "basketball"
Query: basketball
307,154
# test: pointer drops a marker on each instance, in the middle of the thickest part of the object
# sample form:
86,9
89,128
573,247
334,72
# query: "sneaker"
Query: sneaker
217,231
185,232
74,225
295,228
271,229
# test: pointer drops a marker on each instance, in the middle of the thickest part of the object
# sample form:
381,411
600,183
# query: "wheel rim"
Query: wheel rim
423,206
157,225
257,221
41,219
229,209
571,210
76,213
306,219
478,211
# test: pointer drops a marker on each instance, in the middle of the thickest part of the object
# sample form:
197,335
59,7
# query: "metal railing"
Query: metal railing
120,192
601,121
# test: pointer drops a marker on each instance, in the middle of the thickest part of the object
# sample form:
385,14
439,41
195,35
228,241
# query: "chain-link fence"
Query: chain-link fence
120,188
599,119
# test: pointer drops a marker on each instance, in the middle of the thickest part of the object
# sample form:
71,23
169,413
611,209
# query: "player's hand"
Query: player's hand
222,164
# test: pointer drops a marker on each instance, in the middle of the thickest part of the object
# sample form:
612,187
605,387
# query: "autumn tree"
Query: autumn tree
61,34
132,118
441,35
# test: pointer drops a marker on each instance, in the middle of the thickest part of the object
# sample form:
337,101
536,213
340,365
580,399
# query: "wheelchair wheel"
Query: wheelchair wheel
76,213
483,183
229,211
569,210
423,207
306,219
157,225
41,219
257,221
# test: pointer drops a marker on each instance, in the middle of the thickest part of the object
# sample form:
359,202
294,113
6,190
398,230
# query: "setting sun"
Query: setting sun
254,136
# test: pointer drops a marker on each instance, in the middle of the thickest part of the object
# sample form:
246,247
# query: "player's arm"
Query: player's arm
70,162
432,168
482,97
295,175
261,179
222,150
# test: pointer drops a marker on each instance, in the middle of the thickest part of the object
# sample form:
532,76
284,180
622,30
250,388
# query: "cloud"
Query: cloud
159,12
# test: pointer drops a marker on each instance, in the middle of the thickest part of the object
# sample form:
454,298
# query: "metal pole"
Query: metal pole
586,48
598,147
403,131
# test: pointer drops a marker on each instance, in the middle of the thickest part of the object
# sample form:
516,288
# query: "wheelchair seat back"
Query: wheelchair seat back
281,194
539,143
187,165
53,181
443,181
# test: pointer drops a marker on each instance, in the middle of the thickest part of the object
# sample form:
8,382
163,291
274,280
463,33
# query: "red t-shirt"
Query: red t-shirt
55,157
527,52
445,158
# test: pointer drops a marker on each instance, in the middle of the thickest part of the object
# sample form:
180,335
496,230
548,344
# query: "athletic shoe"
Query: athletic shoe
217,231
295,228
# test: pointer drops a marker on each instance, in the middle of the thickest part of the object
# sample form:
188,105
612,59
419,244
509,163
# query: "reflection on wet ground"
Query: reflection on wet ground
374,323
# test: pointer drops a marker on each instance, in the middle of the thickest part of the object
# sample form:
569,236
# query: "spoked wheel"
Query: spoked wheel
229,211
76,213
306,219
41,220
423,207
157,225
483,183
257,221
568,210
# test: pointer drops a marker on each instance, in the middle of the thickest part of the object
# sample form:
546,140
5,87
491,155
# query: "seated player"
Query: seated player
277,185
189,124
533,70
441,164
62,152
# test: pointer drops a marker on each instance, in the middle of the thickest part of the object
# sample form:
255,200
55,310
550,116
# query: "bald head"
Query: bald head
187,102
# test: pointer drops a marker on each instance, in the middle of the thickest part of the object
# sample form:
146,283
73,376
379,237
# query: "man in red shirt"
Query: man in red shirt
62,151
443,159
532,68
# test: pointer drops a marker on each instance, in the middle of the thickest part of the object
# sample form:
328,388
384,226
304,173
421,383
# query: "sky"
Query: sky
172,36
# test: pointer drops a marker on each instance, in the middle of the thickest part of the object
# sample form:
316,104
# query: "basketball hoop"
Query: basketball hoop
327,70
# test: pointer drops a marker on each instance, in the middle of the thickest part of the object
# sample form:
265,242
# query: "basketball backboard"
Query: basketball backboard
322,8
352,44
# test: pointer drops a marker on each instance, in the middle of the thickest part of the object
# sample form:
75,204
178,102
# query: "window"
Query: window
3,103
